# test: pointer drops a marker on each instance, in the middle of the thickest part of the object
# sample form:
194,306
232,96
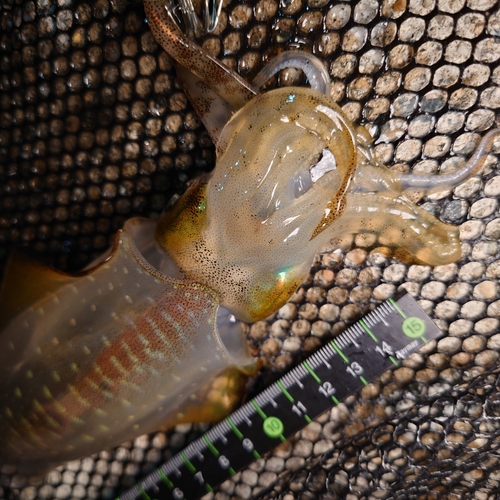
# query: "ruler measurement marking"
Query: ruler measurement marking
165,479
215,456
368,331
197,474
398,309
297,407
339,351
215,452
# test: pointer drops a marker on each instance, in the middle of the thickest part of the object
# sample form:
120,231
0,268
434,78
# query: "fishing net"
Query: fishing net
94,130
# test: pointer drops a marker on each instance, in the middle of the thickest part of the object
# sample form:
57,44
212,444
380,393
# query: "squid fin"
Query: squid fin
214,401
26,281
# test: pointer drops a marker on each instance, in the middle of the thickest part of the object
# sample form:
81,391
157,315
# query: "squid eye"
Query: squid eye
302,181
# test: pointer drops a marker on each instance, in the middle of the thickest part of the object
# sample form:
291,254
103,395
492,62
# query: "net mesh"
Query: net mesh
94,129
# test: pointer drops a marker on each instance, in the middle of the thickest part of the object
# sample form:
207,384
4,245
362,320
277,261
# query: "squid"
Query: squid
150,335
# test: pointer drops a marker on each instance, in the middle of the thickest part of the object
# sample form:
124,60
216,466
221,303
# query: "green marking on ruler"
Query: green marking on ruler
394,360
290,398
273,427
143,494
187,463
315,376
216,452
259,410
398,309
285,392
367,330
234,428
414,328
192,469
363,379
311,372
211,447
339,351
165,479
238,433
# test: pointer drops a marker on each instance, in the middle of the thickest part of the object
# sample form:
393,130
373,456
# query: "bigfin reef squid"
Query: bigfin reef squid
147,337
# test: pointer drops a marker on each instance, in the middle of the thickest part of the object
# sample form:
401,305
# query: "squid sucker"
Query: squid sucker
149,336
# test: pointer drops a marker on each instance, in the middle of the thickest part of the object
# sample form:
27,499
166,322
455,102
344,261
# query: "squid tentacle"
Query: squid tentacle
316,73
433,183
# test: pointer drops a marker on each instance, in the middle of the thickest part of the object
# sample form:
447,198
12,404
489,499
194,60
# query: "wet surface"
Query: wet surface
95,130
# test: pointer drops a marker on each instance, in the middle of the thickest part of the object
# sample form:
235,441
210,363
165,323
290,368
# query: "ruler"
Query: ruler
362,353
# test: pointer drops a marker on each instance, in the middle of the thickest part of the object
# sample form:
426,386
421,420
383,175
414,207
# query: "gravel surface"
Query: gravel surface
94,129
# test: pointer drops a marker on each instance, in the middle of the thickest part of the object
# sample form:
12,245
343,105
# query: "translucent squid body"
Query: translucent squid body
146,338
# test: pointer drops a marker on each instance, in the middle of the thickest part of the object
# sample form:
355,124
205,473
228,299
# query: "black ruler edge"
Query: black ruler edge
368,348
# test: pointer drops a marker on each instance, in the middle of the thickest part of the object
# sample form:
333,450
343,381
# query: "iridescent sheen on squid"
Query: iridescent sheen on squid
145,339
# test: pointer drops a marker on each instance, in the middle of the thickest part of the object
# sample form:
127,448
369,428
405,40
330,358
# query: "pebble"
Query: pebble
400,56
437,146
475,75
433,290
421,126
388,83
383,34
433,101
494,309
492,186
383,292
365,11
449,345
243,491
494,342
455,211
445,272
447,310
329,312
487,326
371,61
274,464
469,189
450,123
271,347
446,76
429,53
470,25
292,344
417,79
288,311
463,98
483,208
280,328
440,27
320,329
394,273
484,250
486,290
487,358
493,270
471,229
405,104
458,51
338,16
458,291
301,327
473,309
486,50
412,29
392,130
